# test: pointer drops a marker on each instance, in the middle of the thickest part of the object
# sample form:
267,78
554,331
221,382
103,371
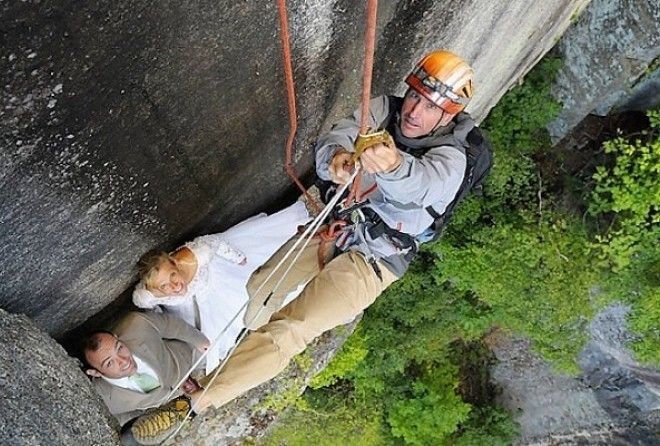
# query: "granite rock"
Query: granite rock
46,398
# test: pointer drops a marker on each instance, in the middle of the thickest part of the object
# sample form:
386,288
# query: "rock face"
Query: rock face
613,400
131,125
46,399
607,55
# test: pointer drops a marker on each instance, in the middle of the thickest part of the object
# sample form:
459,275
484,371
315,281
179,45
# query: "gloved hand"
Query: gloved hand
341,166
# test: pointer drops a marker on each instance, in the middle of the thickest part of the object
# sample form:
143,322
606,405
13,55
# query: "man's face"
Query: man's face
112,359
419,116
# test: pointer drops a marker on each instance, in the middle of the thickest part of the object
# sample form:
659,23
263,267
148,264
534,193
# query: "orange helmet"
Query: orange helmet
444,79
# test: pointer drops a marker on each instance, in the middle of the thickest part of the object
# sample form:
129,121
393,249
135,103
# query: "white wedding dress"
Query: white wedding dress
216,297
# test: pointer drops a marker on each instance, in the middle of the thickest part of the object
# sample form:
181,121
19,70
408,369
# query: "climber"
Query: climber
419,175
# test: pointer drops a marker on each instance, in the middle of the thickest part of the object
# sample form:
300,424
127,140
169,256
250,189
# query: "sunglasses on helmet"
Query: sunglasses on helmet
437,86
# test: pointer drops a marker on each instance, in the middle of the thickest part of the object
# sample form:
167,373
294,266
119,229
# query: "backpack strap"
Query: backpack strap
479,159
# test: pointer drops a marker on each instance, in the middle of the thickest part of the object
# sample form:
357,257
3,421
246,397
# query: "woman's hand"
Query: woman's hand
204,346
189,386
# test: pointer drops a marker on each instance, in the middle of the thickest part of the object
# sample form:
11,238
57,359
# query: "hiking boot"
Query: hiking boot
157,424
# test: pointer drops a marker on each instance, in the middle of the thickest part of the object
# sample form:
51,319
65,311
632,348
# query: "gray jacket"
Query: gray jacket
403,194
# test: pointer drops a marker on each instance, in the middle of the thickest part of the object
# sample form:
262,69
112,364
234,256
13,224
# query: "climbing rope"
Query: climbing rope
364,139
291,101
305,239
369,47
356,194
312,228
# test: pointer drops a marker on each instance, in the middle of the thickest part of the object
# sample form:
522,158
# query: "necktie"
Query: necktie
145,381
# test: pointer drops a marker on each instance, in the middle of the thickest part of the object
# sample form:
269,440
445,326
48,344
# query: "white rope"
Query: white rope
307,236
215,375
203,355
310,229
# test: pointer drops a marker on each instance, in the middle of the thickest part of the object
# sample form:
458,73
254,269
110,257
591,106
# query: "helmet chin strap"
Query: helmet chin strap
439,124
439,120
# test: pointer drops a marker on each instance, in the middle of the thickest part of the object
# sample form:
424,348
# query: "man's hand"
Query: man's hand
340,167
189,386
381,158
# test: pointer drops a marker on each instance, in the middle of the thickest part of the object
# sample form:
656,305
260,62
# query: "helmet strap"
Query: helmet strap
444,120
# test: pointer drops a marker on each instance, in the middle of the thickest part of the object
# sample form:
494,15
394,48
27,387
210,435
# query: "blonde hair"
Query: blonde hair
149,264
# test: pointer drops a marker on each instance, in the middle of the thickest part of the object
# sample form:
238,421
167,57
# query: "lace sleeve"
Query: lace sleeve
221,248
224,250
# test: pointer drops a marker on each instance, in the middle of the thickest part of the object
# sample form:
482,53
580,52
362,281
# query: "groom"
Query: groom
135,366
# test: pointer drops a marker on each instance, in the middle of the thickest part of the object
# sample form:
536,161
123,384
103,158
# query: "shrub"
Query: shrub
628,192
431,414
534,276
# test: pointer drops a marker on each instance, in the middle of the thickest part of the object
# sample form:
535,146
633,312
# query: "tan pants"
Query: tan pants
346,286
260,287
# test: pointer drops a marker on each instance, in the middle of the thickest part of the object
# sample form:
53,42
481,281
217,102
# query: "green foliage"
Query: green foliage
407,333
347,359
629,192
412,323
290,397
341,423
627,198
534,276
518,121
304,361
639,286
575,15
516,127
649,71
645,320
654,115
433,411
486,426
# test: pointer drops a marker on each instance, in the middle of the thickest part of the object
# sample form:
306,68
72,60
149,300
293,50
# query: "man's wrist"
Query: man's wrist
399,161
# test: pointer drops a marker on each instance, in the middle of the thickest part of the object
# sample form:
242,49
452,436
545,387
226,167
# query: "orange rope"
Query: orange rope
369,47
333,231
291,99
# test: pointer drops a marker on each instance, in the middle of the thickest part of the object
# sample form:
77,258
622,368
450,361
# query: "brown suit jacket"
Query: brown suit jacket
167,344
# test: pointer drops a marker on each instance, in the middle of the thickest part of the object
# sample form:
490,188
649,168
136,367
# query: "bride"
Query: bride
204,281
